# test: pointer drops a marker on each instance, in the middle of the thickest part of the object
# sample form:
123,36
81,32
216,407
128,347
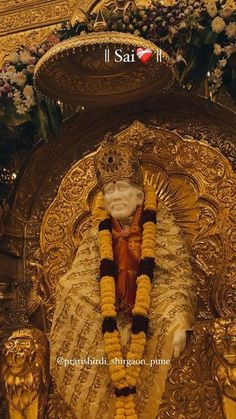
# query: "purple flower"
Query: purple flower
6,87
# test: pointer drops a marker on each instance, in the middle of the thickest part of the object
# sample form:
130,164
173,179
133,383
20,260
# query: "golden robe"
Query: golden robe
76,337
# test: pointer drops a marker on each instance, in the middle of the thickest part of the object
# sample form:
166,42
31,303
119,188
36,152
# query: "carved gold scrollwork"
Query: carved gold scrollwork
225,294
188,155
190,392
41,292
61,236
194,181
232,213
186,175
226,191
208,252
60,233
232,240
28,16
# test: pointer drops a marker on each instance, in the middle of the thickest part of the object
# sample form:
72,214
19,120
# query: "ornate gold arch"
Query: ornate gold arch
193,180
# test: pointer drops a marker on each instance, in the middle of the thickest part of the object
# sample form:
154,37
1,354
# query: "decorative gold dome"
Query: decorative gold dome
88,70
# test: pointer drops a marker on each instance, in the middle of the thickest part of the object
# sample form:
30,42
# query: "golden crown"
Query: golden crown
115,162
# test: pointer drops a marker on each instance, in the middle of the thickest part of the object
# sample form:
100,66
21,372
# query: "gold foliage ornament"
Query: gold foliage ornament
125,378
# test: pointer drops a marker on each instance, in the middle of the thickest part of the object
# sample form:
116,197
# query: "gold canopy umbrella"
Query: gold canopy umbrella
103,68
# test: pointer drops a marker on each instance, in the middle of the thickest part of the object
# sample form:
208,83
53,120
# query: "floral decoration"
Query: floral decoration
124,378
18,103
200,37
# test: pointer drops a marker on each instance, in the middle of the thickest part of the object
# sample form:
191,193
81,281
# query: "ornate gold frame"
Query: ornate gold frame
48,192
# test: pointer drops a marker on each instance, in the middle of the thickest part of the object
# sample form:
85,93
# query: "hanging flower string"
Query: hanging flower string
125,378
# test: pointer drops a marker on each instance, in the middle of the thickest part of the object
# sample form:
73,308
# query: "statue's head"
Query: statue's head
122,198
224,339
120,178
22,346
19,348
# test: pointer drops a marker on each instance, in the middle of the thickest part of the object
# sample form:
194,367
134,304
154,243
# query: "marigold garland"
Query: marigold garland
125,377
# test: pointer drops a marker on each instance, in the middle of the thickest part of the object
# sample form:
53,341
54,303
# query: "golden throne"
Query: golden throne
195,181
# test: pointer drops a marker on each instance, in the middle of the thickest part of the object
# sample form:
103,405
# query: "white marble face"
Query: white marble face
121,199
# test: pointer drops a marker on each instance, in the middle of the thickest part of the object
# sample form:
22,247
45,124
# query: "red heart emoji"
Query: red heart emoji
144,54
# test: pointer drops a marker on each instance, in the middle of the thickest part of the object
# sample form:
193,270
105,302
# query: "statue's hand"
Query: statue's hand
179,342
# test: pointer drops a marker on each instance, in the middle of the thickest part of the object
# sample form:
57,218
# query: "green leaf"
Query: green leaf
43,122
54,117
188,37
197,41
211,38
188,69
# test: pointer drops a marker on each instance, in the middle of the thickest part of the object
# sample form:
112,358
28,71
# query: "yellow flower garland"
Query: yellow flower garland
121,375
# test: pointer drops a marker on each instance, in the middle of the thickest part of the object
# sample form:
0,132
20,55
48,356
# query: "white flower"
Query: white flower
19,79
173,30
218,24
211,8
41,51
22,106
10,73
21,109
215,79
14,57
25,57
217,49
30,68
11,69
182,25
29,101
231,30
223,62
17,98
2,77
229,49
33,49
218,72
28,90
